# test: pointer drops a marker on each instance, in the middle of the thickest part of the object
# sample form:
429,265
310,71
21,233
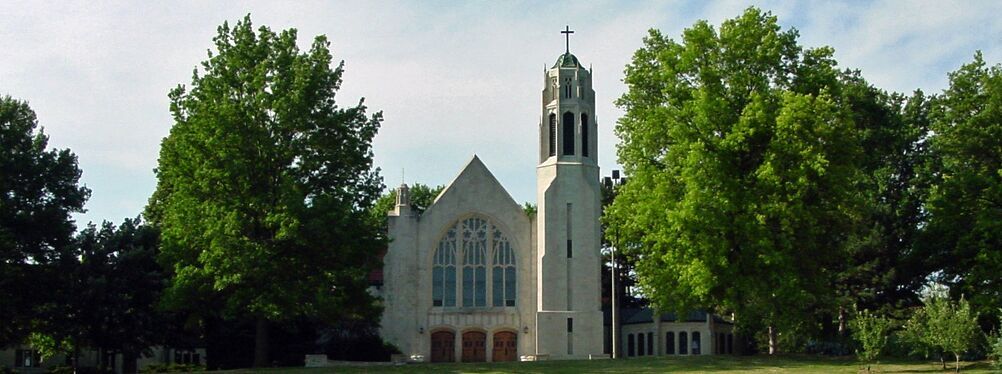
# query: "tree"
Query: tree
264,186
871,331
39,189
743,163
104,296
120,288
421,195
942,326
883,271
964,232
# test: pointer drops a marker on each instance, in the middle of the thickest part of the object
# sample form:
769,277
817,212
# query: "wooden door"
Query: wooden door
443,346
505,346
474,346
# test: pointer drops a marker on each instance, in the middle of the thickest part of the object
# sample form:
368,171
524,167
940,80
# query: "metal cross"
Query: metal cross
567,32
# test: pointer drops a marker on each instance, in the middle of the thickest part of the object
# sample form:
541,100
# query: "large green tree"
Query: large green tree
38,191
743,163
964,232
883,271
264,183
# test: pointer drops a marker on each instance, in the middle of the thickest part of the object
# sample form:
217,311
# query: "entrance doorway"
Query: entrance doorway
443,346
474,346
504,346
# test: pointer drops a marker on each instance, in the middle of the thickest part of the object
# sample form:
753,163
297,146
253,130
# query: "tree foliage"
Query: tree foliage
743,163
871,332
942,326
39,189
964,232
264,184
421,196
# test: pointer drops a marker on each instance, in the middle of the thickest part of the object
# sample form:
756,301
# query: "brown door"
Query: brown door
443,346
504,346
474,346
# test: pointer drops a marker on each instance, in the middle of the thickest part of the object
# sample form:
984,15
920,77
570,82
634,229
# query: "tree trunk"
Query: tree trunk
772,340
942,360
957,355
842,322
261,343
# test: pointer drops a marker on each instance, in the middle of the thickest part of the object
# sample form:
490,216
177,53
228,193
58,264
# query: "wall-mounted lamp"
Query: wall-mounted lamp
525,329
420,330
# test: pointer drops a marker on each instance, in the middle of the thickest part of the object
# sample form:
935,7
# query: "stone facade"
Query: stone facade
475,278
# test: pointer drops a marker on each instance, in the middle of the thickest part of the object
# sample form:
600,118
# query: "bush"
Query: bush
995,351
871,332
828,348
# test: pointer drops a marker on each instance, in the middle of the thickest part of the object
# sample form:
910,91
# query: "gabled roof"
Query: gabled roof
473,175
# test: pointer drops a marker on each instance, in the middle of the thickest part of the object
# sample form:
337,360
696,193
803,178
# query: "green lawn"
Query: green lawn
702,364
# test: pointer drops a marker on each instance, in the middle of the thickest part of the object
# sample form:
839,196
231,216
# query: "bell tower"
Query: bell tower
568,317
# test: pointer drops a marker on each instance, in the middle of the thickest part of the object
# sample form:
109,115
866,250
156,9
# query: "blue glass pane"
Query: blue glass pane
467,286
450,286
509,285
481,286
436,285
497,284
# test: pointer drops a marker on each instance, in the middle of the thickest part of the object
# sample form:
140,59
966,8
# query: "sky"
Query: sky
452,79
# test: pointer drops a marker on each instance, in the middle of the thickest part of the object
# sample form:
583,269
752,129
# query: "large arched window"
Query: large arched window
464,249
504,270
584,134
474,262
444,271
568,133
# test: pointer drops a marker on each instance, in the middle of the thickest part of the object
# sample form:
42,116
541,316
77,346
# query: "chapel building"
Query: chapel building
476,278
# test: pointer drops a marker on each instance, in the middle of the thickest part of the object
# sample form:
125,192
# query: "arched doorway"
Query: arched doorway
474,346
505,346
443,346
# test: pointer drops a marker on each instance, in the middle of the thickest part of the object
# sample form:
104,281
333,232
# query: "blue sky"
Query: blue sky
452,78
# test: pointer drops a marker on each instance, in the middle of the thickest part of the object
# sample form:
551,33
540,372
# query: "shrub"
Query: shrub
871,332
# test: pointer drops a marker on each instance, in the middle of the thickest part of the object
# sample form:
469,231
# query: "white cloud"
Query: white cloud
452,79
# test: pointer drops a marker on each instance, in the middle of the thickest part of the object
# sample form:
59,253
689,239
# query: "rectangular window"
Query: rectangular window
450,286
437,280
509,286
584,135
467,286
570,253
497,286
481,286
630,350
683,343
670,343
640,344
570,336
650,343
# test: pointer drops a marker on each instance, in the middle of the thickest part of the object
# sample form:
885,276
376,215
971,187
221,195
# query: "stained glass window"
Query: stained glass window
470,239
444,271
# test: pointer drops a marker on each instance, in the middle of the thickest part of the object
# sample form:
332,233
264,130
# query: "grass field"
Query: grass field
703,364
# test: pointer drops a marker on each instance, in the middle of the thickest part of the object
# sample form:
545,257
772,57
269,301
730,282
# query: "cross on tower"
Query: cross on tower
567,33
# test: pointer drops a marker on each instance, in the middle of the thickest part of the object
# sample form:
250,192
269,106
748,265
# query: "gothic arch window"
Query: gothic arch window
568,133
584,135
444,271
469,248
567,88
503,275
474,262
553,134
